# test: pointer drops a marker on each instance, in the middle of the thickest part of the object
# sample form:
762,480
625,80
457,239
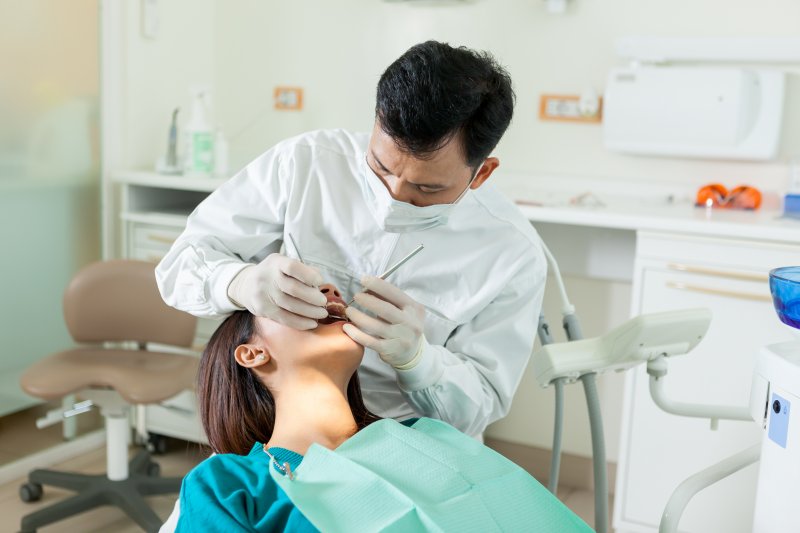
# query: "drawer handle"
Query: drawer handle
160,238
719,292
718,273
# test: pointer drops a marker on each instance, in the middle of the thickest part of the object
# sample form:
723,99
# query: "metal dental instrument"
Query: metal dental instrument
394,267
296,249
299,256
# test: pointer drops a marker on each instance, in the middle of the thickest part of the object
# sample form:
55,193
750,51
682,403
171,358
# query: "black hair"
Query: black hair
236,408
434,93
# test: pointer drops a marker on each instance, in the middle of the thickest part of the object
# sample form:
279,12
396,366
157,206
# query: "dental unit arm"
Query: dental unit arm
646,339
649,339
639,340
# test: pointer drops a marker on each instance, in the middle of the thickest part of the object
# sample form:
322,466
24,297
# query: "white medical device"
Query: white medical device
692,97
774,398
718,112
639,340
775,388
650,339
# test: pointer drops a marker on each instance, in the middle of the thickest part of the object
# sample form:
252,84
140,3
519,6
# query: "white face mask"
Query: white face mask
394,216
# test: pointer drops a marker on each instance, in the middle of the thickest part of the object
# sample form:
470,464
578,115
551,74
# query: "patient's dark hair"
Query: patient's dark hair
236,409
435,92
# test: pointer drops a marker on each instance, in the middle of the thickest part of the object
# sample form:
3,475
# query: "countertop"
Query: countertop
653,207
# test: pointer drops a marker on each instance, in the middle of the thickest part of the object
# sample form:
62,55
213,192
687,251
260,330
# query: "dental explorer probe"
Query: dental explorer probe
300,257
394,267
296,249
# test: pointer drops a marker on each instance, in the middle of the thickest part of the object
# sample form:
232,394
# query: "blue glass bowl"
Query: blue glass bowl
784,284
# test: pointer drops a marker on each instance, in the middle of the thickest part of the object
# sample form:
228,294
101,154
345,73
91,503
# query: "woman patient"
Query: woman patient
267,392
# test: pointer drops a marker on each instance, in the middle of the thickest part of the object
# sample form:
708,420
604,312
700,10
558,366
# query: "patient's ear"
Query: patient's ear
251,355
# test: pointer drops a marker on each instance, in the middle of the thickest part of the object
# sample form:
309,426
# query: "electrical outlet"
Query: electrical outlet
571,108
289,98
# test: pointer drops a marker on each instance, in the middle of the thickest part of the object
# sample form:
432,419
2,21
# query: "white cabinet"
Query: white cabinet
152,213
660,450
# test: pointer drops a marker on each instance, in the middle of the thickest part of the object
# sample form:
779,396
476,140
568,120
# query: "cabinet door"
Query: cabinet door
661,450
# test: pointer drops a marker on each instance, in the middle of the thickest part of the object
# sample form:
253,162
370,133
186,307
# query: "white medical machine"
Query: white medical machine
654,338
775,388
692,97
649,338
774,398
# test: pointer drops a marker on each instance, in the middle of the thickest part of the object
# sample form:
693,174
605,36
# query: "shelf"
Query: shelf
163,181
175,219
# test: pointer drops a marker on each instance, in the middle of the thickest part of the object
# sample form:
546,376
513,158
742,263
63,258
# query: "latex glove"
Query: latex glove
281,288
397,331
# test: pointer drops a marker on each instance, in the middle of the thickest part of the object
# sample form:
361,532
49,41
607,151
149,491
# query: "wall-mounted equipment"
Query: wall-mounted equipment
714,105
694,111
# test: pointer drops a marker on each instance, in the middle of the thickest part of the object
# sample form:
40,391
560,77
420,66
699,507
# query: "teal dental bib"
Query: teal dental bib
429,477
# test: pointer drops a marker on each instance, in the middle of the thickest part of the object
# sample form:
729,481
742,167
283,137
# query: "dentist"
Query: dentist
449,334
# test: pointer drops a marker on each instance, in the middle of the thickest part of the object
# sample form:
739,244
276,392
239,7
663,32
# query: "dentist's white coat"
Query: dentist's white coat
481,276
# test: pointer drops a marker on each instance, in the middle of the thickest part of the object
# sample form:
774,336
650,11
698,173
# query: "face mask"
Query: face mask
394,216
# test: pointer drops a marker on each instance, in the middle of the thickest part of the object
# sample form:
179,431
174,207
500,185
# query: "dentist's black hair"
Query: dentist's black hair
434,93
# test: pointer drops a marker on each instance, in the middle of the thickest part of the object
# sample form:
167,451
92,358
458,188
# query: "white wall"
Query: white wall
336,50
157,74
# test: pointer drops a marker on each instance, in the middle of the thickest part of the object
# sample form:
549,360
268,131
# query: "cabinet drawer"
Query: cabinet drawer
153,237
675,285
147,254
175,422
719,255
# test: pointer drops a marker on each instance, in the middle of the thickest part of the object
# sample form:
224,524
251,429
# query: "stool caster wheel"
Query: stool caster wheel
31,492
157,444
153,470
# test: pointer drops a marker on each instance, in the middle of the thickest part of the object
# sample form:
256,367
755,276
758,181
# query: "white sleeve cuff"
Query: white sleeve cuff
218,283
425,373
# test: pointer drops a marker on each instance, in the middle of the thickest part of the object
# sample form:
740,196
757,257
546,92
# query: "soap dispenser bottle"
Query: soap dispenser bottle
199,136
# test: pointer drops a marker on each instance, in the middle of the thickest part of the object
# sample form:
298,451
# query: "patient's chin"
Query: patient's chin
337,341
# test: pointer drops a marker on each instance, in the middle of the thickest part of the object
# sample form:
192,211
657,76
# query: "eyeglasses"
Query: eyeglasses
716,195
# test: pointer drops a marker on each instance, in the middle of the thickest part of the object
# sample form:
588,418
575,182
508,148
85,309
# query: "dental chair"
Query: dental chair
113,302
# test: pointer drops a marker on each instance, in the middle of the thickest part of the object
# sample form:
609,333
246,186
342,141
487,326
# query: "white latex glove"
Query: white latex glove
283,289
397,332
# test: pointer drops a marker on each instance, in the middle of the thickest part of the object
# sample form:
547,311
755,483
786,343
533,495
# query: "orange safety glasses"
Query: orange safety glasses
716,195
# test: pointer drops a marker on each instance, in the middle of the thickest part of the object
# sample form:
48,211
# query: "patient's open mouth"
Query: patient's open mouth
335,313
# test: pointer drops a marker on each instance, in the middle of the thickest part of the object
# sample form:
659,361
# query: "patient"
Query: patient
267,392
265,386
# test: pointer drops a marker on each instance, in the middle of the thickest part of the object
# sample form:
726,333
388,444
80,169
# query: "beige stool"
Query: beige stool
113,302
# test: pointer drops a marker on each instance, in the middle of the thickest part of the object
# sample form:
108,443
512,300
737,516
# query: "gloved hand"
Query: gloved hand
397,332
280,288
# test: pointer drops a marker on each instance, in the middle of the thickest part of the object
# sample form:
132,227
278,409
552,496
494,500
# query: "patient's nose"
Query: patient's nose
328,287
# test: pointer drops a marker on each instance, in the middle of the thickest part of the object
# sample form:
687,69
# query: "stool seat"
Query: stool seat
140,377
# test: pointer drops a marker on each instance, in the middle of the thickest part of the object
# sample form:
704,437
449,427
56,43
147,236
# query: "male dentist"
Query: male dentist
448,334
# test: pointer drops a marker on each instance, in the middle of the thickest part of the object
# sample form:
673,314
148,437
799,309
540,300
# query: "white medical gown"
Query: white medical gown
481,276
